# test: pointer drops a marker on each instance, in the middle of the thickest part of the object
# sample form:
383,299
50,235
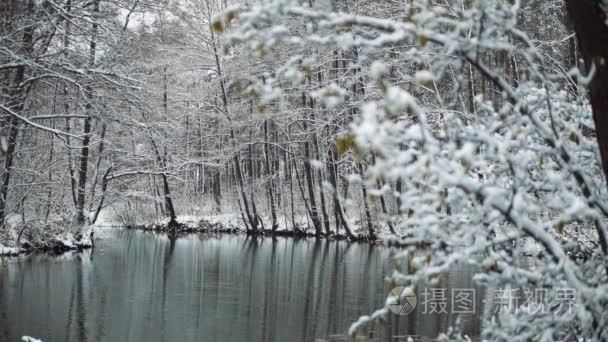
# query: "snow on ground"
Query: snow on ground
10,251
189,221
231,221
54,234
107,218
227,220
200,222
30,339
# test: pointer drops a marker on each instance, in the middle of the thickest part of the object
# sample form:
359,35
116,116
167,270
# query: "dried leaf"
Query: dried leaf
559,227
217,25
423,40
346,142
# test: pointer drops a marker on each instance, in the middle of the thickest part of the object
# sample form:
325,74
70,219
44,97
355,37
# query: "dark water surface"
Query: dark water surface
137,286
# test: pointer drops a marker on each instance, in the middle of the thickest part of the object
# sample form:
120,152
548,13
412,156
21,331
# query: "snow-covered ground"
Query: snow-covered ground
20,236
9,250
30,339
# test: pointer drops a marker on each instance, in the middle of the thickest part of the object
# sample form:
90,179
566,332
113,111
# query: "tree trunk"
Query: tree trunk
292,206
96,177
389,222
49,196
314,213
320,170
66,104
341,216
273,211
237,164
68,129
82,175
104,188
86,132
162,163
301,188
368,217
17,102
217,191
254,210
322,196
168,199
589,21
8,166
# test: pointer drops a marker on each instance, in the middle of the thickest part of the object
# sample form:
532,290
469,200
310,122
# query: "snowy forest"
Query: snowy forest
451,132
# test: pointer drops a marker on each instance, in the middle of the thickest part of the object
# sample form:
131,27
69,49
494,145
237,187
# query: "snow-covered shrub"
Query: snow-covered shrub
486,154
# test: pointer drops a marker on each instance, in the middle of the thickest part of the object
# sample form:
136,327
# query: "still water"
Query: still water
137,286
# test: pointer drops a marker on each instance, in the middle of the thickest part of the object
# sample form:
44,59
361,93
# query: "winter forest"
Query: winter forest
413,140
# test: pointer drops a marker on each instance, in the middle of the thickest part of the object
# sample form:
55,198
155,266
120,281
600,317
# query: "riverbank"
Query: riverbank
51,238
230,225
53,246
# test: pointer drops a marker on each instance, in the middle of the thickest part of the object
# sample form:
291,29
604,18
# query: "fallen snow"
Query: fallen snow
10,251
30,339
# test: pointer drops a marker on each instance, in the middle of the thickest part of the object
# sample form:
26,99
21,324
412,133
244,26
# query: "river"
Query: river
138,286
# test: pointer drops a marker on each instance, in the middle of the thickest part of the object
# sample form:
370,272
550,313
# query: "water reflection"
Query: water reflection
139,286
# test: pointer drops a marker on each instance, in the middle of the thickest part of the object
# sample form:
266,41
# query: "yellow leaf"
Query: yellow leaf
232,15
261,49
383,87
306,70
423,40
412,14
217,26
345,28
465,164
250,91
559,227
346,142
